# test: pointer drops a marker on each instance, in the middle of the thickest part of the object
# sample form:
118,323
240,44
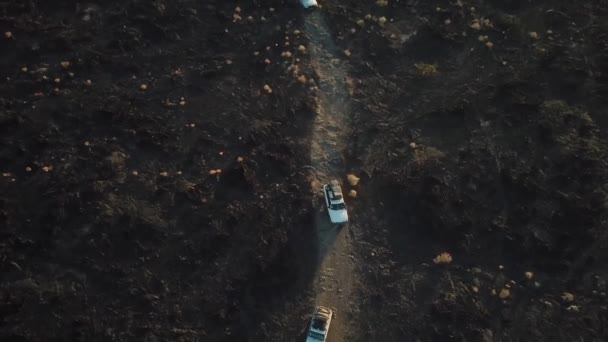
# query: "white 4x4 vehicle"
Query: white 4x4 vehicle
308,3
335,202
319,324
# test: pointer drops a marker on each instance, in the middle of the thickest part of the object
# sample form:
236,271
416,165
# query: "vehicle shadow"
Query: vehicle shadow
283,294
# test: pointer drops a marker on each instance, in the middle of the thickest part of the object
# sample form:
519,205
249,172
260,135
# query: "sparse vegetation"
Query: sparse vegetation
157,180
424,69
352,179
443,258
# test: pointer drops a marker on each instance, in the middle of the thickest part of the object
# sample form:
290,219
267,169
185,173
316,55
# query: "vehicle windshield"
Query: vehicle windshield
319,324
337,206
316,335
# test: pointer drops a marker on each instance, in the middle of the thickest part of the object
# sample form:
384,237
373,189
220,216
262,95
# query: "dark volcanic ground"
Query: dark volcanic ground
115,114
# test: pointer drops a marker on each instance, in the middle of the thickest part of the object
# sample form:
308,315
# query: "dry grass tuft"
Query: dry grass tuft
504,294
426,154
567,297
443,258
352,179
424,69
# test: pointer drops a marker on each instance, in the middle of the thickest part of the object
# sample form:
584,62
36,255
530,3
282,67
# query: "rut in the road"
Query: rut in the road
336,278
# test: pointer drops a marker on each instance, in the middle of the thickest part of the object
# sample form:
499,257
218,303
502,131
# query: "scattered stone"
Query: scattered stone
529,275
572,308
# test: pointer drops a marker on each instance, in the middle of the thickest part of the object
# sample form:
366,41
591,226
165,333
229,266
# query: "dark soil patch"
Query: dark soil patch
505,166
114,228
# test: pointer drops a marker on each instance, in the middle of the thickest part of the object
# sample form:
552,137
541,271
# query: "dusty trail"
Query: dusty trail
335,281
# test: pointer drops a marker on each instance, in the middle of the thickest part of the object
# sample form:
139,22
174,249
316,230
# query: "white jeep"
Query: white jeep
319,324
335,202
309,3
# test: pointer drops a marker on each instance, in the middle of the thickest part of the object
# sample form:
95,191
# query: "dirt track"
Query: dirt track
336,280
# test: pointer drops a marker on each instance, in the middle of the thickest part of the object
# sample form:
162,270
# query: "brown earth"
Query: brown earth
113,227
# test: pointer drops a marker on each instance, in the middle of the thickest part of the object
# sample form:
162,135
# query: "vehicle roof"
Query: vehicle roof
334,186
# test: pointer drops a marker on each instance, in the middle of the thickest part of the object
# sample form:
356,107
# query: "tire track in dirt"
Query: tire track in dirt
334,283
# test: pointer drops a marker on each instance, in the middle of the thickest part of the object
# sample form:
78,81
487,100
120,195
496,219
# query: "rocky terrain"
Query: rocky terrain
160,169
